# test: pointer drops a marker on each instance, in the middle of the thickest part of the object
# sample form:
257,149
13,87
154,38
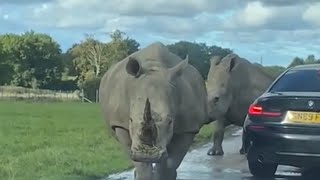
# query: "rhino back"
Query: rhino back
190,91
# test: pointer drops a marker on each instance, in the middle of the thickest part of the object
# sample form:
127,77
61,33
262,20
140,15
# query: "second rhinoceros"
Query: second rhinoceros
154,104
233,84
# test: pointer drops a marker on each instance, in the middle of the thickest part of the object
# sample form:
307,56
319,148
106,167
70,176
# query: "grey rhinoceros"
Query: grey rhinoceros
154,104
233,84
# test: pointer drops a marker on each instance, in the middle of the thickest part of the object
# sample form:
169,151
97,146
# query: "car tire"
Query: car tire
262,169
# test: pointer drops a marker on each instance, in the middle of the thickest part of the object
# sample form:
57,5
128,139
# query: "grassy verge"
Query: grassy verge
54,141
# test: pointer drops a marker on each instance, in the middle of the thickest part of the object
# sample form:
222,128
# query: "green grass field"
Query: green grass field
53,141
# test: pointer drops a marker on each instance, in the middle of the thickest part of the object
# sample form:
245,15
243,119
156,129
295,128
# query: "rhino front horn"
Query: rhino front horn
147,111
149,131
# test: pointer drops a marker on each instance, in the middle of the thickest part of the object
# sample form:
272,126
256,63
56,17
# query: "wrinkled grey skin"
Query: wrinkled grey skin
233,84
148,101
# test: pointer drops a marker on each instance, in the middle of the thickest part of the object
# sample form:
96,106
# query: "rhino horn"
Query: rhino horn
149,131
147,111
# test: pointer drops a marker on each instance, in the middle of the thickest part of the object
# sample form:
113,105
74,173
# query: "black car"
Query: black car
282,126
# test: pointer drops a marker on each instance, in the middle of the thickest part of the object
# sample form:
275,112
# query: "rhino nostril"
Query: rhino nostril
216,99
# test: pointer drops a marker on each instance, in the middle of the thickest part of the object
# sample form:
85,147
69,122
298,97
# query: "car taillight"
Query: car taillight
256,110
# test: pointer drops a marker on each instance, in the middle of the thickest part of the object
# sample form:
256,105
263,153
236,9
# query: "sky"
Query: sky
275,31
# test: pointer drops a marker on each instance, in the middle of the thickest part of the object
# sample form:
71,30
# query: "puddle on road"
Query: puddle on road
198,166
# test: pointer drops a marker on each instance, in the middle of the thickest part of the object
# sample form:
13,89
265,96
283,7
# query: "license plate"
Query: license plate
302,117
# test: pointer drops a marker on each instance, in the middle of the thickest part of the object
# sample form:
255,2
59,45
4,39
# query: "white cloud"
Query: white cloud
312,14
255,14
245,25
5,16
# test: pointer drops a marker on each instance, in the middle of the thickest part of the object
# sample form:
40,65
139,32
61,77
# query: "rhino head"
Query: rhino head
152,108
219,85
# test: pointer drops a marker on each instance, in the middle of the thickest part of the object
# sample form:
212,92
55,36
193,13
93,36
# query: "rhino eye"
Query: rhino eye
130,119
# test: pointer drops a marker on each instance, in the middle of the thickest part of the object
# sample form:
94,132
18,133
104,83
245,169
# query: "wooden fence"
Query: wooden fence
19,93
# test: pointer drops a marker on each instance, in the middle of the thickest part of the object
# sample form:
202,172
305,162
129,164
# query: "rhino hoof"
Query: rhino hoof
213,152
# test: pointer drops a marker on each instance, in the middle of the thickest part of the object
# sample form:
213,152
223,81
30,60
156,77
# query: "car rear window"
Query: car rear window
298,81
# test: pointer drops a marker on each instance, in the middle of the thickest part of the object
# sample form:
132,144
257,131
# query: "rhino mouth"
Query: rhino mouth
149,154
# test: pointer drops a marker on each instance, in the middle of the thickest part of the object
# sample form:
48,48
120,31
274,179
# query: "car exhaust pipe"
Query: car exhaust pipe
260,158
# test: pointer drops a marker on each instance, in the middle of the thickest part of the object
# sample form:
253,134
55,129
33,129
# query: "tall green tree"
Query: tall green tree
311,59
132,45
296,61
274,71
5,69
89,57
33,57
199,54
92,57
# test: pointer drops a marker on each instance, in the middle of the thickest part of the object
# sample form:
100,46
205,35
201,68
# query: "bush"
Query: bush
65,85
90,88
6,73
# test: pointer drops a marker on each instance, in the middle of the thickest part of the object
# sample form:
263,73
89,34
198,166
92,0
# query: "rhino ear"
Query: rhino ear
178,69
229,62
215,60
232,63
133,67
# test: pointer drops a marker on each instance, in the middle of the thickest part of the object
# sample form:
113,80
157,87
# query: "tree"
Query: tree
33,57
89,57
92,58
310,60
296,61
5,69
274,71
132,45
119,47
199,54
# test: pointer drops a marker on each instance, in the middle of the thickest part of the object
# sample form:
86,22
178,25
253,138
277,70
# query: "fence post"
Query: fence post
97,95
82,95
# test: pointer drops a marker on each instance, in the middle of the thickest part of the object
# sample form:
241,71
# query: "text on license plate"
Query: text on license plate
303,117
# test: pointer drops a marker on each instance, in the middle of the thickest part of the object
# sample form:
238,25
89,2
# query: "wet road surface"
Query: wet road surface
232,166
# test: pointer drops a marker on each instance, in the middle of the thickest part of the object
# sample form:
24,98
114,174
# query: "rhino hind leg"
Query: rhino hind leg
143,171
218,135
177,149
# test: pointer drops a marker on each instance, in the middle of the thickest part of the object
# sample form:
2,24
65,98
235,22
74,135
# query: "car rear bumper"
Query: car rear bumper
266,145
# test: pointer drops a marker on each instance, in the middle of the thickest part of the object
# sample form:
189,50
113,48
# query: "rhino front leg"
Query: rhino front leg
218,135
143,171
177,149
124,139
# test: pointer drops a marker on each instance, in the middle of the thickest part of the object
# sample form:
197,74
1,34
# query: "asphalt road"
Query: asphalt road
232,166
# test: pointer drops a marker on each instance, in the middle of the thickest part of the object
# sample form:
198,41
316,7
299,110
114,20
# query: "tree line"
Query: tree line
35,60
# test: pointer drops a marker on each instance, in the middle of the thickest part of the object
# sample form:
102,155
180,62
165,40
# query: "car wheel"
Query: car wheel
262,169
